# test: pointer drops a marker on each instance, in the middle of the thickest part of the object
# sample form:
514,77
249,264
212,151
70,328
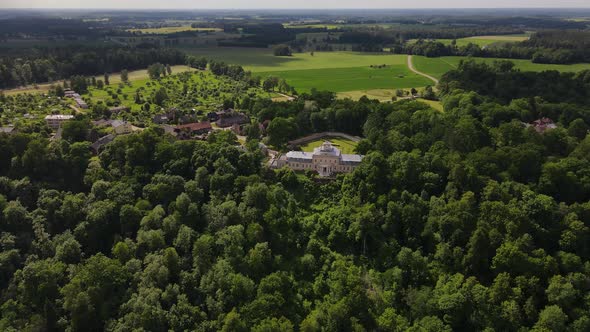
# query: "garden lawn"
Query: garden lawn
346,146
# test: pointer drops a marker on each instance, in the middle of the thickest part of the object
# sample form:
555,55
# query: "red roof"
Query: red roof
195,126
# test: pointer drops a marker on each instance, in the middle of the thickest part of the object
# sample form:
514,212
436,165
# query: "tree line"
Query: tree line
50,64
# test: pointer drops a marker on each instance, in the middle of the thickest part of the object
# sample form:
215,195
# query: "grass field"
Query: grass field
379,94
346,146
262,59
334,71
438,66
167,30
351,79
114,78
437,105
483,40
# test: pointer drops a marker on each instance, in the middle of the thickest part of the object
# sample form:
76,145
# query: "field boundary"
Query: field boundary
317,136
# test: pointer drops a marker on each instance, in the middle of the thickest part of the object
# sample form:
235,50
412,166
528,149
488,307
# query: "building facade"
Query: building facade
326,159
54,121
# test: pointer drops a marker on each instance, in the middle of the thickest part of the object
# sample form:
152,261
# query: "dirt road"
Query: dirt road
411,67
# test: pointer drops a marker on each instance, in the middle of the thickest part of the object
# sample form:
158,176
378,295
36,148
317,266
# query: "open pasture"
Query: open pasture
482,41
333,71
438,66
262,59
351,79
172,29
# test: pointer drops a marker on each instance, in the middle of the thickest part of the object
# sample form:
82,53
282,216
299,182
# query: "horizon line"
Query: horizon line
285,8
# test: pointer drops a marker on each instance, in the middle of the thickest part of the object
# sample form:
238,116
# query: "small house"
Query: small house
7,130
118,109
542,125
98,146
190,130
232,118
161,119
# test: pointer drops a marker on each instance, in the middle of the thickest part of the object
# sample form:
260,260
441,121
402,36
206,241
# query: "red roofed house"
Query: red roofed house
188,130
543,124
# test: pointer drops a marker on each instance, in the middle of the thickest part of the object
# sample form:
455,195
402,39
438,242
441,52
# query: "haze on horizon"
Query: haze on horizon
295,4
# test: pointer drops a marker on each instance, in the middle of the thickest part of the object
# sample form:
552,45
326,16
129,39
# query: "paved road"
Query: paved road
411,66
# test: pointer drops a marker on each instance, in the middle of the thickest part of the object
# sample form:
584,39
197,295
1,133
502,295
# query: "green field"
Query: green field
334,71
438,66
167,30
483,40
262,59
346,146
351,79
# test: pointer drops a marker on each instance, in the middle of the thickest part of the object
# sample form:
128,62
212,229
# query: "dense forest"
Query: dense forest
468,219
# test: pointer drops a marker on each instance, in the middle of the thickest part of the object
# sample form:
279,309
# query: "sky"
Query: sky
307,4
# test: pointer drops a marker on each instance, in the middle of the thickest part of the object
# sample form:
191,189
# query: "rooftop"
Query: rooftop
195,126
6,130
299,155
59,117
326,149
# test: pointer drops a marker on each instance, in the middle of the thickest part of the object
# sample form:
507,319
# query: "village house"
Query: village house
169,129
326,159
238,129
54,121
161,118
190,130
118,109
542,125
98,146
7,130
232,118
214,116
120,127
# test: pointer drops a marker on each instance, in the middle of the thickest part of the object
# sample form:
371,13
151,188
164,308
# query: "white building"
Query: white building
326,160
54,121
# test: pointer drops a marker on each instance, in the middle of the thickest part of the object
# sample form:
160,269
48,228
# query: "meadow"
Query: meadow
482,41
351,79
438,66
346,146
173,29
333,71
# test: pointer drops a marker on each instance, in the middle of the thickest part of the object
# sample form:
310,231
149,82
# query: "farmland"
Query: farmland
334,71
438,66
351,79
482,41
171,29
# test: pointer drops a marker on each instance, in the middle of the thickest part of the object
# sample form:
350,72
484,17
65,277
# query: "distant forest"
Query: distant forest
49,64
